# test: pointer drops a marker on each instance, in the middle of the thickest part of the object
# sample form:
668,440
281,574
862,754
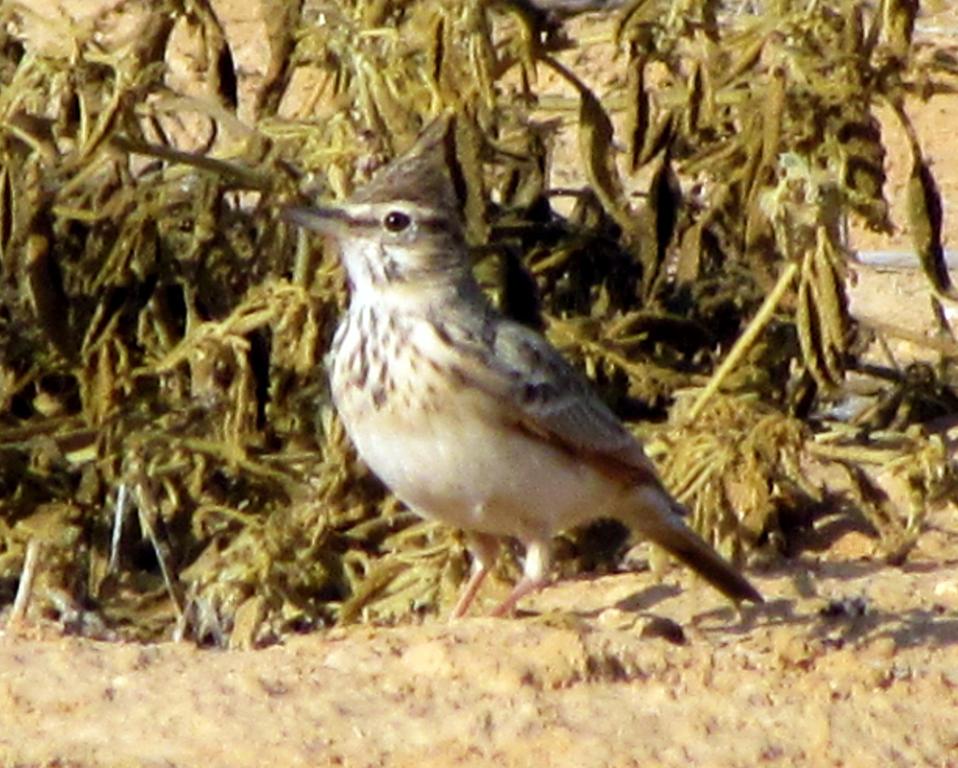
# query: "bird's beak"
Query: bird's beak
325,219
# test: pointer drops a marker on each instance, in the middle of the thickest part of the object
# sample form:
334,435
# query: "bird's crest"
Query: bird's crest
422,174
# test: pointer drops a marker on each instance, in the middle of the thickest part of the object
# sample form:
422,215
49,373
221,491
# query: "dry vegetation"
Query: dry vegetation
665,188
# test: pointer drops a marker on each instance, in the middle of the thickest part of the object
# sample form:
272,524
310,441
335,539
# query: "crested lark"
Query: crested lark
466,416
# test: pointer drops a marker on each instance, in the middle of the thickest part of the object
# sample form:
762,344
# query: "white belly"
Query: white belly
447,451
477,474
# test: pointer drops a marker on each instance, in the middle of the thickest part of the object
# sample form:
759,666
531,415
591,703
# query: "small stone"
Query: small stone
659,626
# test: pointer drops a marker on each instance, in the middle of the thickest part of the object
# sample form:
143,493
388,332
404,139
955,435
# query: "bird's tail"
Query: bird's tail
658,517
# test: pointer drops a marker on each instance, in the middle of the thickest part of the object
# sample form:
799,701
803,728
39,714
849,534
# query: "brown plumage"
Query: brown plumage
469,417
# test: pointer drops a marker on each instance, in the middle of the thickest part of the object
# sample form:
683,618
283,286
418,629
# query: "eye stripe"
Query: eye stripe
437,224
432,224
361,221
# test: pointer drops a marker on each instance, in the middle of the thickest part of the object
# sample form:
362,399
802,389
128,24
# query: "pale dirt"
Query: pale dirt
580,685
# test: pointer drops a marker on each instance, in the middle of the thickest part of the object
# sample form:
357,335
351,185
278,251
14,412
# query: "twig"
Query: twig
25,587
745,341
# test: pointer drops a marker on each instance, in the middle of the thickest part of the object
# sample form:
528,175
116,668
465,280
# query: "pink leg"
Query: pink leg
484,549
535,576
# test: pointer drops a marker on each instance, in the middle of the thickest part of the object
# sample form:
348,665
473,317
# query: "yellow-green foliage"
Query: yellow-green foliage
165,430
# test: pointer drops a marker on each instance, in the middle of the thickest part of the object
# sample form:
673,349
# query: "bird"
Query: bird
467,416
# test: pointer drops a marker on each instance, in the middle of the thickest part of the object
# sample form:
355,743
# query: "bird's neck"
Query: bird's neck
426,294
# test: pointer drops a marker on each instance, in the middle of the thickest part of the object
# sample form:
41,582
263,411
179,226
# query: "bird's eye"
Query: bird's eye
396,221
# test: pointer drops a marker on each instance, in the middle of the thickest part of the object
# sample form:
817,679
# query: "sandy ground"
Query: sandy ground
852,662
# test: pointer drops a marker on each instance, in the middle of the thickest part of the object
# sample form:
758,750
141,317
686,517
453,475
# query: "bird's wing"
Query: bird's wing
544,395
547,397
